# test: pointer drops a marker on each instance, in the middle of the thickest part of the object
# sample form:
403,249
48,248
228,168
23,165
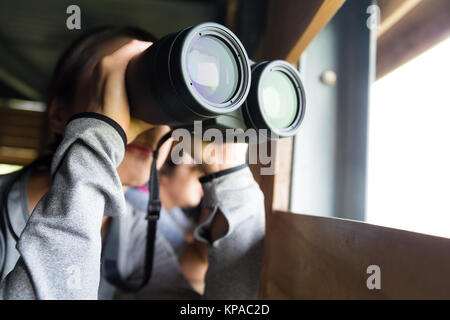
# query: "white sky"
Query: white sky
409,146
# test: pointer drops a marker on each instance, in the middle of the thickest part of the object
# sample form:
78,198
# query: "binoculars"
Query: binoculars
203,73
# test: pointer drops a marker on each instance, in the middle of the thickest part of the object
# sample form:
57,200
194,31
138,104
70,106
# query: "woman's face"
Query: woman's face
135,167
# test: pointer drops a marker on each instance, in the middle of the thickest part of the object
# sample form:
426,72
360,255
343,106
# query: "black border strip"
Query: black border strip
104,118
221,173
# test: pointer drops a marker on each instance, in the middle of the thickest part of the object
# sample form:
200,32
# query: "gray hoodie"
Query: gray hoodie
58,254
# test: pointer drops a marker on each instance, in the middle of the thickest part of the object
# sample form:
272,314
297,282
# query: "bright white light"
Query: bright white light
409,146
8,168
271,99
206,72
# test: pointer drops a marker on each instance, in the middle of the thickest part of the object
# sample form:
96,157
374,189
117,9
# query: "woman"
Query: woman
56,252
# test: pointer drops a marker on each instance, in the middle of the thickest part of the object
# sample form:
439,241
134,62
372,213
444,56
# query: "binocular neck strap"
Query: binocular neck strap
153,210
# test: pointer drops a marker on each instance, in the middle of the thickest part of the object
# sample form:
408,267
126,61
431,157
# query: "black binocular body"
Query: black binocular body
203,73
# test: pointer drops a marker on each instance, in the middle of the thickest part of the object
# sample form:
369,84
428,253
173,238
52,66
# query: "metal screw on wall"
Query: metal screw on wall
329,78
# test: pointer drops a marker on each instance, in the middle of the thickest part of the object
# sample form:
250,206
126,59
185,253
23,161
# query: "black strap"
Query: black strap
153,209
221,173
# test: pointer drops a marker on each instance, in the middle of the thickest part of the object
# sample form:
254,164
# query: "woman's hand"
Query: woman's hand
102,89
218,157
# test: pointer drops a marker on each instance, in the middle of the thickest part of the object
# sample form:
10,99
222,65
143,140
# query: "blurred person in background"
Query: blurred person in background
180,193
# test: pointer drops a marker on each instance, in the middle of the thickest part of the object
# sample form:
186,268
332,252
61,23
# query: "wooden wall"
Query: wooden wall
327,258
22,134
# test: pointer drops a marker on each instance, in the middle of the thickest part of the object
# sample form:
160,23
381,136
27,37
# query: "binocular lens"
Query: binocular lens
197,73
279,99
212,69
276,101
203,73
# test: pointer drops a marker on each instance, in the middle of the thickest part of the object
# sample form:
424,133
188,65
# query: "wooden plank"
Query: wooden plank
327,258
20,142
292,25
276,188
266,183
231,16
20,131
424,26
21,156
282,179
392,11
20,120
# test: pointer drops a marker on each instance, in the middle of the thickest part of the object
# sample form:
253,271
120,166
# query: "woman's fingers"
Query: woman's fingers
120,58
115,101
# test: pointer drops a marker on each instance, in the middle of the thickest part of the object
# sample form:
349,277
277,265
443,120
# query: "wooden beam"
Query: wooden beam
327,258
276,188
292,25
19,156
231,15
20,131
266,183
19,75
392,11
421,28
19,85
282,180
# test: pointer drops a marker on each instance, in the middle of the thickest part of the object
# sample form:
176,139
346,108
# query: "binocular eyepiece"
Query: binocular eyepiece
203,73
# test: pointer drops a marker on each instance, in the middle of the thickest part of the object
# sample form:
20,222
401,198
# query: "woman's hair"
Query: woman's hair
81,54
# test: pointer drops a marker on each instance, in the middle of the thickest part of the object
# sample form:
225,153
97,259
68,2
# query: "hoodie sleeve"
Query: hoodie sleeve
60,246
235,260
